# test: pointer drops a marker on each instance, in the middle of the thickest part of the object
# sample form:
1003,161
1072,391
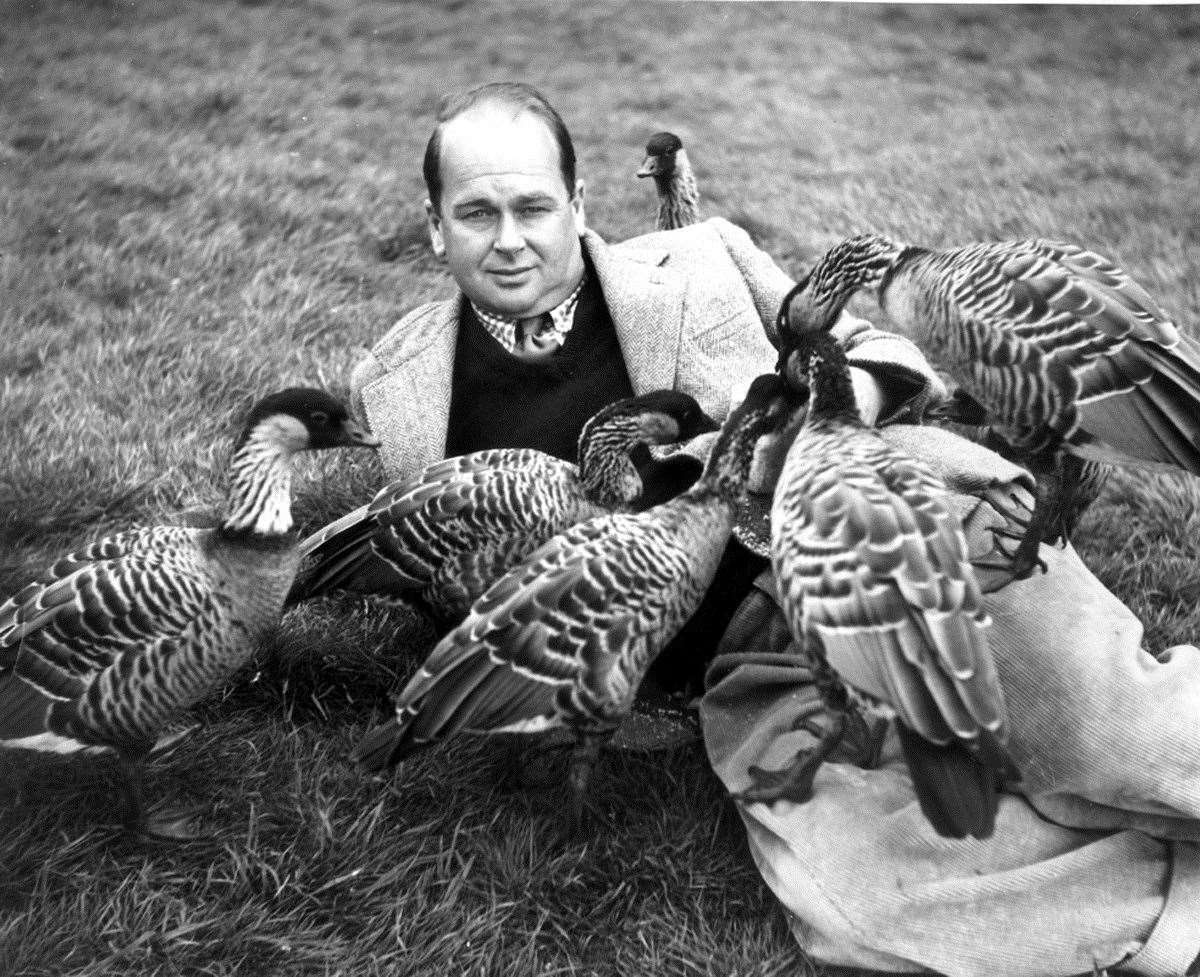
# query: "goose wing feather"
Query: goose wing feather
873,560
347,553
133,542
1064,298
77,625
1058,337
439,522
87,656
562,638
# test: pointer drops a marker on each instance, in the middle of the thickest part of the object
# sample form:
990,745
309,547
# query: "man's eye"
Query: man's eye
474,215
535,210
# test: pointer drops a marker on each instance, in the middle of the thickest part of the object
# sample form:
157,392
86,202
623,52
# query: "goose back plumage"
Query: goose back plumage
871,558
873,572
1068,359
104,656
565,638
111,641
446,535
1059,345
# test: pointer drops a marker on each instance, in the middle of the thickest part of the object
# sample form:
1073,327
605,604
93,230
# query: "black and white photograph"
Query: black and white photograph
601,489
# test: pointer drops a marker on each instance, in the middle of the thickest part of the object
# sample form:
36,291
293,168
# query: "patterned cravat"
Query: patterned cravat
549,330
537,338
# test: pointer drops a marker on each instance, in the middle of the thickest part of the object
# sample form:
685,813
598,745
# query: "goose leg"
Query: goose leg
520,757
1018,564
161,828
1051,473
795,781
579,774
1065,507
1005,565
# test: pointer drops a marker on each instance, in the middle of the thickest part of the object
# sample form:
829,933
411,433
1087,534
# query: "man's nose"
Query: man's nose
508,235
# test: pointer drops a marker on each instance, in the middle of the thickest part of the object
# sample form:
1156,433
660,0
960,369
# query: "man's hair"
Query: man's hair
513,94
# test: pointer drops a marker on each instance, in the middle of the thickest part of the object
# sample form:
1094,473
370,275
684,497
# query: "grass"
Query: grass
203,202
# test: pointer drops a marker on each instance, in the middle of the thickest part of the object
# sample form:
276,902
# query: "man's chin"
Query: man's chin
514,303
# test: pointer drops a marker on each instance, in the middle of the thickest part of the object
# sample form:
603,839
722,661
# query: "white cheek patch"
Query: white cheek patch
288,431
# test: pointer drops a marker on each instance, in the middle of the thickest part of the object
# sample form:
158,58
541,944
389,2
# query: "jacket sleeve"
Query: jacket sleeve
906,380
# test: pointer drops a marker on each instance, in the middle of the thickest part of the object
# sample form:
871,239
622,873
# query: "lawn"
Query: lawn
202,202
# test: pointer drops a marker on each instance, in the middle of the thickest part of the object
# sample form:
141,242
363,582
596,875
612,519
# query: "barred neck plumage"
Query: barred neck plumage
606,470
858,262
831,392
259,498
678,195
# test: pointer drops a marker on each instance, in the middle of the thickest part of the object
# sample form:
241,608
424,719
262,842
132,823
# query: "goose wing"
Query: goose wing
60,633
80,621
518,459
1067,339
872,559
345,555
473,517
565,637
132,542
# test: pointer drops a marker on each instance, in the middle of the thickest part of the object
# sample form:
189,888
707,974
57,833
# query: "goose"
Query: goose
564,639
446,535
1064,511
678,198
114,640
1064,355
871,565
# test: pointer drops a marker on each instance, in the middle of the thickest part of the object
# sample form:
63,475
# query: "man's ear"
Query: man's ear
577,208
434,220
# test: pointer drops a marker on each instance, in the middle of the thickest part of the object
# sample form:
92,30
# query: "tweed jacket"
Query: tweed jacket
694,310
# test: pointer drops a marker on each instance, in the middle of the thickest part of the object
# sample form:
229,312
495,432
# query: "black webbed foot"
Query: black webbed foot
1013,564
795,781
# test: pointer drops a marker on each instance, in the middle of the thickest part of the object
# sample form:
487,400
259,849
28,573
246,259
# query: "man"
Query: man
552,323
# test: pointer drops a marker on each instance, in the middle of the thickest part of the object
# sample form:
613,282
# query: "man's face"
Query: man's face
508,229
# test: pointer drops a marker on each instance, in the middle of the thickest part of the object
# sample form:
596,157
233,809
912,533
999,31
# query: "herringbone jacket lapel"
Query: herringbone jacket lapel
645,301
409,404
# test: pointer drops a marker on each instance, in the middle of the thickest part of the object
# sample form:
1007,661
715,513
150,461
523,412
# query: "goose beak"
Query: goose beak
795,372
356,435
705,425
649,166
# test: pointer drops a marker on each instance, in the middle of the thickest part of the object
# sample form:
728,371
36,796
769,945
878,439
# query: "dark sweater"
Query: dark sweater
500,401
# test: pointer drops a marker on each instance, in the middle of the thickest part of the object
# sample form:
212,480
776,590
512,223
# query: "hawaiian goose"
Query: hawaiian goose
448,534
112,641
565,639
1063,353
678,199
871,566
1066,510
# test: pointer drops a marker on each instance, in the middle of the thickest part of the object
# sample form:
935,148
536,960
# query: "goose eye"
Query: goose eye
319,417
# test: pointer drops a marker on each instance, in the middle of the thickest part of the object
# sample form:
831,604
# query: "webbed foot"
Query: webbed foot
1013,564
795,781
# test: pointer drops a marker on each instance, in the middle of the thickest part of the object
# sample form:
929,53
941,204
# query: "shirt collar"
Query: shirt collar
506,329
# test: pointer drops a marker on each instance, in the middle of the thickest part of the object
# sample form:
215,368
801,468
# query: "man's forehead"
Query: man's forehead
493,142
